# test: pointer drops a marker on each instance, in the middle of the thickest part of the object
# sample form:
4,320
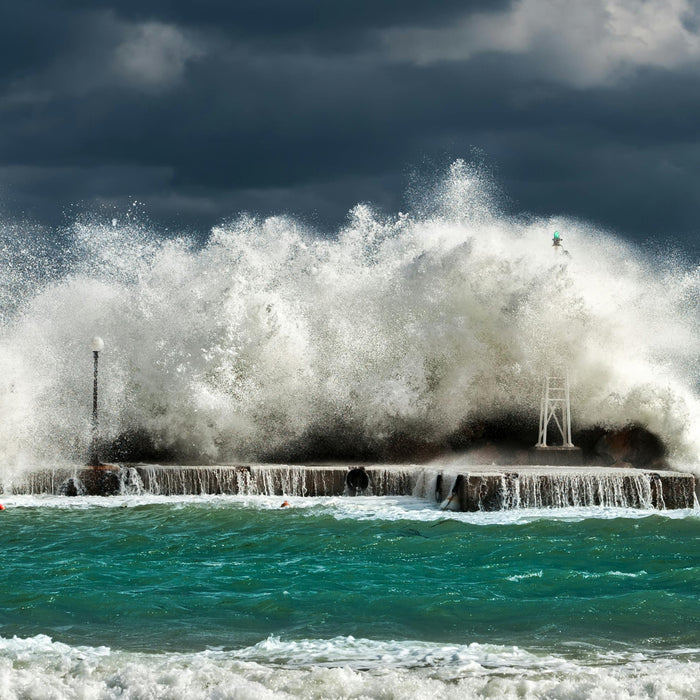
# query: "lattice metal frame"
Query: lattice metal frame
555,405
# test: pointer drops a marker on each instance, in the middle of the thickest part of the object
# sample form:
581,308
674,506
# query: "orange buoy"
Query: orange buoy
286,504
2,507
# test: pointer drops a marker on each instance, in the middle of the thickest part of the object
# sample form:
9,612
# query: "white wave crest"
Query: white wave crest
342,667
270,338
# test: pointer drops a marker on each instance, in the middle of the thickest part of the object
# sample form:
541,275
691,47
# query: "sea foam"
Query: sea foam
359,508
341,667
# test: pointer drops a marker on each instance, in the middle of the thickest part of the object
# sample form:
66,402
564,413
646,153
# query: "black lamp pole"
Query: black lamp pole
97,345
96,354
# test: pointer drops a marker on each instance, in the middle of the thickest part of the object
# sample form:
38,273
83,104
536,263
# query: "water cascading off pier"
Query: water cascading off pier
468,488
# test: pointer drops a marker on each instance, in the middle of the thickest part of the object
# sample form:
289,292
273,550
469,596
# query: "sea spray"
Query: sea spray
385,338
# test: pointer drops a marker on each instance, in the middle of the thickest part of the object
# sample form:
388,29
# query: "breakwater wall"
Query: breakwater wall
465,488
556,488
271,480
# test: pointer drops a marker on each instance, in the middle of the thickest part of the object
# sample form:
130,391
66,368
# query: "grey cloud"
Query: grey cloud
202,111
154,55
303,24
106,51
583,44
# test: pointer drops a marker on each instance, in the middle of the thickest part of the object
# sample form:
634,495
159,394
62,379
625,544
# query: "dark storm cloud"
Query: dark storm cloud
303,23
29,38
202,110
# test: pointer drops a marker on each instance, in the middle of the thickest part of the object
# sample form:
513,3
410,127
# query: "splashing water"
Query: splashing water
269,341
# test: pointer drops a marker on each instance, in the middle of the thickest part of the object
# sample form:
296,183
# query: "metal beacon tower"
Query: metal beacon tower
555,412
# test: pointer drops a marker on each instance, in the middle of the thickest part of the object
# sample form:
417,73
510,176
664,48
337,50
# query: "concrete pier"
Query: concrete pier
495,488
472,487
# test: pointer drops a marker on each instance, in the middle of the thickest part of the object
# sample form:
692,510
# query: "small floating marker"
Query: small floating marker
286,504
2,507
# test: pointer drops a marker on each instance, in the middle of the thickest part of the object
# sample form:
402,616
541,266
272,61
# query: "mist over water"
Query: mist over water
387,338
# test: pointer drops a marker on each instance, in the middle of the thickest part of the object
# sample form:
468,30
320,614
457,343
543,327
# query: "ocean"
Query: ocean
400,337
365,597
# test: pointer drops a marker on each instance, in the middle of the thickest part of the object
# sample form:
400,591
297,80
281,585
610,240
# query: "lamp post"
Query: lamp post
96,346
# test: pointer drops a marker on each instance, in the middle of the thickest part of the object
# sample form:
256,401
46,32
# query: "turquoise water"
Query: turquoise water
357,584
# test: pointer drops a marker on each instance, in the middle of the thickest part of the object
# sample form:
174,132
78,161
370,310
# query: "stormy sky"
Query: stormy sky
200,110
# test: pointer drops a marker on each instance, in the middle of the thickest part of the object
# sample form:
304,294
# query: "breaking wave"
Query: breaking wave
342,667
397,336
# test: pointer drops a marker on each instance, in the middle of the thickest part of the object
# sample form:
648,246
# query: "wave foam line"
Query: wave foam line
342,668
379,508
